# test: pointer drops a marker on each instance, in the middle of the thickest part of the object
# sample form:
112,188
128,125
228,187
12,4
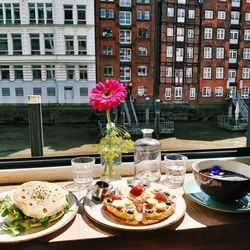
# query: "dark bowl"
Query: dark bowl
220,189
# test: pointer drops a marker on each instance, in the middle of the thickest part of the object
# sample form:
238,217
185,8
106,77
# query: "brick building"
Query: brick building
225,50
125,44
179,55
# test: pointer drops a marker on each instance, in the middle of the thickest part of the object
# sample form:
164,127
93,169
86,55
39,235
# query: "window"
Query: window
143,33
107,51
208,33
142,51
190,33
142,70
178,93
83,72
125,74
167,94
18,70
191,14
36,72
234,35
103,13
247,35
19,91
68,14
111,14
125,3
4,73
179,54
232,74
246,53
84,91
190,52
169,71
170,12
107,32
180,34
207,72
178,75
247,16
138,15
125,18
49,44
245,73
35,44
125,55
5,91
218,91
69,45
82,45
220,34
170,32
17,44
3,44
235,17
51,92
108,71
189,72
146,15
220,53
233,54
245,92
37,91
180,15
142,91
50,72
169,51
221,14
81,14
219,73
209,14
192,94
125,36
9,13
206,92
40,13
70,73
207,52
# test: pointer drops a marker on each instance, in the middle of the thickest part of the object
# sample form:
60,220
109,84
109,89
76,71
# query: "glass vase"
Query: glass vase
111,168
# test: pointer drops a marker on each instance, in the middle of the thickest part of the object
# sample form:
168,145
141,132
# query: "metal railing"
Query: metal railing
242,106
231,123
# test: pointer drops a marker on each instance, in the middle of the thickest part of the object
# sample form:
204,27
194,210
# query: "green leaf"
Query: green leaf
45,222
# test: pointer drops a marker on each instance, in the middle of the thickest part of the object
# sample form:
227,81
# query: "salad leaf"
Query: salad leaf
5,205
45,222
13,228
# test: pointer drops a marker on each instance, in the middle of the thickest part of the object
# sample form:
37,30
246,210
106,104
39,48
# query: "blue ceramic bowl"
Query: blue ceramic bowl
219,189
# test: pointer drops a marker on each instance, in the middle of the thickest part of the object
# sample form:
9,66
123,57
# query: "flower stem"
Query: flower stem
108,118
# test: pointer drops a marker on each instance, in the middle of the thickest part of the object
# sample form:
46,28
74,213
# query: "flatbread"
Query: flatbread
40,199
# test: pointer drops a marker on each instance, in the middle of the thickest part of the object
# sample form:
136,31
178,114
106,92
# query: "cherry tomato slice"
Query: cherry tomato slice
136,190
161,197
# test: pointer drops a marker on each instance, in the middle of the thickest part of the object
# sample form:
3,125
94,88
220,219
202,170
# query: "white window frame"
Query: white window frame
169,71
207,72
206,92
208,33
218,91
178,93
220,33
142,70
219,73
208,52
245,92
125,74
209,14
169,51
245,73
192,93
246,53
125,36
220,53
168,94
125,18
221,15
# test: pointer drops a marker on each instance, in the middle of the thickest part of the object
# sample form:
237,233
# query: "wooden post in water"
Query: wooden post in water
122,114
35,124
147,104
157,118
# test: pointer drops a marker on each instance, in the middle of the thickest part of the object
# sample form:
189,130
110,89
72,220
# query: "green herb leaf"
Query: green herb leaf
45,222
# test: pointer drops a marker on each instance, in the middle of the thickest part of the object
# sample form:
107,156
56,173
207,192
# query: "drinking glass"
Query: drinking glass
176,165
82,171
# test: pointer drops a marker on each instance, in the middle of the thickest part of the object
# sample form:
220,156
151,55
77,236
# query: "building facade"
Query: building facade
225,67
125,33
180,50
47,48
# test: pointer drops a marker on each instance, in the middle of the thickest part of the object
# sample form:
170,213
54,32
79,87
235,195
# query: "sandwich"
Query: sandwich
33,204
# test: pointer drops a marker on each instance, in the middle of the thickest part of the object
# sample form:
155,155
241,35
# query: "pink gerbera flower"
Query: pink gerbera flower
107,95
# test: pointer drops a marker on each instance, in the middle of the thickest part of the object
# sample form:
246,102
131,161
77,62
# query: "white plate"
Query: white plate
94,210
39,231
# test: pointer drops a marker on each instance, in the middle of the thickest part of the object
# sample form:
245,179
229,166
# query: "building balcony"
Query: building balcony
233,41
232,60
236,4
235,21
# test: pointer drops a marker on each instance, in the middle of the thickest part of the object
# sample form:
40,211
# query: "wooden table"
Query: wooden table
200,228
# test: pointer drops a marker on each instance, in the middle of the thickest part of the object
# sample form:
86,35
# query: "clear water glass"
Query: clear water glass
82,171
176,166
